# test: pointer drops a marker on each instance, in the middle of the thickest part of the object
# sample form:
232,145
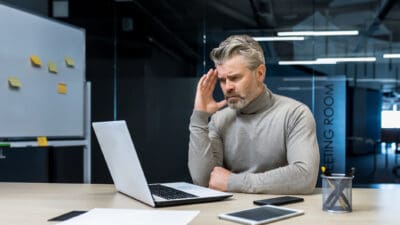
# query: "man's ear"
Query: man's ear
260,72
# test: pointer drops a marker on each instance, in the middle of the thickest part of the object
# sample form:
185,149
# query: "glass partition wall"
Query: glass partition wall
340,58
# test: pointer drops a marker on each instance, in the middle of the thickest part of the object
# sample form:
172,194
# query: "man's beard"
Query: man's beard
238,103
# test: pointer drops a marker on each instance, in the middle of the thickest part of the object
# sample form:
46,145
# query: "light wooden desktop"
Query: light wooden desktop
35,203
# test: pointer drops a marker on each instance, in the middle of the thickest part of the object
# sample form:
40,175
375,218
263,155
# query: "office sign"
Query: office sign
330,116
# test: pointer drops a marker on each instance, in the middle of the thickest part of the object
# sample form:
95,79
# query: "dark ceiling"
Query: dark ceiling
378,19
192,27
188,29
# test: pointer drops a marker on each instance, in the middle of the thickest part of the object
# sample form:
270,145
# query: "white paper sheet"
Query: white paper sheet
101,216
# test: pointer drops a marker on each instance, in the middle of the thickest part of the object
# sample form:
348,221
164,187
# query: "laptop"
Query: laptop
128,176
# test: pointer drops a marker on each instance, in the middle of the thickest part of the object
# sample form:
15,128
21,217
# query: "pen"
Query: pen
325,171
337,195
351,172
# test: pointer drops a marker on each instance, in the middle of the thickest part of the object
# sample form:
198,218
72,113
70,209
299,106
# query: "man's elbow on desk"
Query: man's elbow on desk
199,178
250,183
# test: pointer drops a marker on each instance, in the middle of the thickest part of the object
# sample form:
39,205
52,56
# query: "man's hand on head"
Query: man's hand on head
204,100
219,178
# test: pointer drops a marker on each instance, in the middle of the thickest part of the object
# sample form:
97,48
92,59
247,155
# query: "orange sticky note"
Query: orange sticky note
52,67
35,60
42,141
69,61
14,82
62,88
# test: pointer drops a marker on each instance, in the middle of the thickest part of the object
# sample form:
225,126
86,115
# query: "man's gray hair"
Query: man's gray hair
243,45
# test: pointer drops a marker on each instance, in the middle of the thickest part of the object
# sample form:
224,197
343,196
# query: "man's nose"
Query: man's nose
230,86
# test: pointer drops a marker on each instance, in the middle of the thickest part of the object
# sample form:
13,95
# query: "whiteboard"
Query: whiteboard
38,107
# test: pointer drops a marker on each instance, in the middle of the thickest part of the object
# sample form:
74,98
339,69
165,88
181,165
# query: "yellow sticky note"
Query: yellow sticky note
35,60
62,88
52,67
14,82
69,61
42,141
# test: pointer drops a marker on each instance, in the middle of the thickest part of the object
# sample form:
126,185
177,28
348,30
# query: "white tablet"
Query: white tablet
261,215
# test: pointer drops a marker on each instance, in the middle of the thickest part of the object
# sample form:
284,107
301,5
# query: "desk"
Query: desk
34,203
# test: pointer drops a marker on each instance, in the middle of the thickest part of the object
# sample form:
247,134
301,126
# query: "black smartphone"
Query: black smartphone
278,200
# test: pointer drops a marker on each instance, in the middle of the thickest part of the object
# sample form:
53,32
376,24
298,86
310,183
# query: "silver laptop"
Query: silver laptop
127,173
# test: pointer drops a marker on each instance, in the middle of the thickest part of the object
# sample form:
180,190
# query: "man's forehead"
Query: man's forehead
224,71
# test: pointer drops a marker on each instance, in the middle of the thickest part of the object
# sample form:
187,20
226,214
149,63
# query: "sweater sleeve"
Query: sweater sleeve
300,175
205,148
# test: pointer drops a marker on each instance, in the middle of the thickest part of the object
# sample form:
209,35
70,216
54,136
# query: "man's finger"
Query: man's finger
203,79
214,78
222,103
199,84
211,80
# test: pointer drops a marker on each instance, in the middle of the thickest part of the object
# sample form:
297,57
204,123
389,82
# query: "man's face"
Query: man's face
240,84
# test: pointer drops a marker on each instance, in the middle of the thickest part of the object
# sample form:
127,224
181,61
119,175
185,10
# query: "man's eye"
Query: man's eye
233,78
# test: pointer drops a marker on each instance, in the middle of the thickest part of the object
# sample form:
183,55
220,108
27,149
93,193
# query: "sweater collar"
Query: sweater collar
260,103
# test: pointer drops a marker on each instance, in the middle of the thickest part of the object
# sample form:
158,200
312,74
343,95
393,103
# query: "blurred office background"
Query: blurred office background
144,58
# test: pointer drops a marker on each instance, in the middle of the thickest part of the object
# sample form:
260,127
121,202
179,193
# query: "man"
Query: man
262,142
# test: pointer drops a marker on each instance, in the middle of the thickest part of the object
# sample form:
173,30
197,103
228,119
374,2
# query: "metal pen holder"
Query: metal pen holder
337,193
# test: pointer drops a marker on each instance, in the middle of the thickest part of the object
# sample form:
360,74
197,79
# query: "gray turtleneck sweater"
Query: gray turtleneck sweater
270,146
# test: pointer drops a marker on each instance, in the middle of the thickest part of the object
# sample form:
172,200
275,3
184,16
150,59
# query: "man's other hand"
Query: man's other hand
219,178
204,95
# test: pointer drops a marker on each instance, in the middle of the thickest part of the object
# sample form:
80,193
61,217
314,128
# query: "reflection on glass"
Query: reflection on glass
390,119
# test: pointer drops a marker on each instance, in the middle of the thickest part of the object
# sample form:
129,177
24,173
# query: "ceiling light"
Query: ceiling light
305,62
293,38
383,80
328,61
319,33
347,59
391,56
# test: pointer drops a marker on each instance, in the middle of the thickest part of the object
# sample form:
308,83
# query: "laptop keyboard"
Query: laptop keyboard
168,193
